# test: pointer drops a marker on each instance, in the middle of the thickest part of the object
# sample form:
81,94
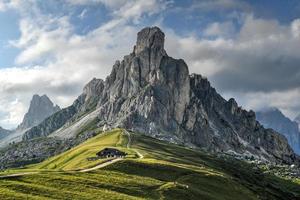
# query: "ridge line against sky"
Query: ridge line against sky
248,51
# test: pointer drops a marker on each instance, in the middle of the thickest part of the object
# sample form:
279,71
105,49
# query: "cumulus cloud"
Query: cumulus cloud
60,61
259,66
221,5
128,10
217,29
256,63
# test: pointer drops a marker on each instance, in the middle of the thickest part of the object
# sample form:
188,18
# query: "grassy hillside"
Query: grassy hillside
166,171
76,158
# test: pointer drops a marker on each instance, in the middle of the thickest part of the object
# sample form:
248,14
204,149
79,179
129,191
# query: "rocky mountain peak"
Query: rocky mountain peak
40,108
150,38
93,88
152,93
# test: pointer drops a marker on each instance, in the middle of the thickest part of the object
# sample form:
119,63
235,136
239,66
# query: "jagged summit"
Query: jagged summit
152,93
40,108
150,38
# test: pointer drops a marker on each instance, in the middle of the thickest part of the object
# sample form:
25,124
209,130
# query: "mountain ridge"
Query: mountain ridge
40,108
275,119
152,93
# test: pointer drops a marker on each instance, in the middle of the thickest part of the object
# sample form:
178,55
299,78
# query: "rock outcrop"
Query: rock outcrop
275,119
40,108
152,93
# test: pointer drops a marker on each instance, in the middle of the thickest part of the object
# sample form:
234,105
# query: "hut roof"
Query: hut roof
110,151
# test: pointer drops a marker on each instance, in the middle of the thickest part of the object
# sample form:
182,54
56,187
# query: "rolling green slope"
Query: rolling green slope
76,158
153,169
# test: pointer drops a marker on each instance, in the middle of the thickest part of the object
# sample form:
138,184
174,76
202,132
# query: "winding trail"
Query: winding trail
141,156
109,162
17,175
114,160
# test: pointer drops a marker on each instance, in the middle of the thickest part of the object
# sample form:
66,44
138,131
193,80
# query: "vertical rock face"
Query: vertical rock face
152,93
273,118
40,108
147,91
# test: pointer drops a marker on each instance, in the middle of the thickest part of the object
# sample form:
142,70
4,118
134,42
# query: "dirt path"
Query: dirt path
109,162
114,160
141,156
17,175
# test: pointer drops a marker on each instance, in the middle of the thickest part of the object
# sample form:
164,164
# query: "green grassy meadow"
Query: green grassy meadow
167,171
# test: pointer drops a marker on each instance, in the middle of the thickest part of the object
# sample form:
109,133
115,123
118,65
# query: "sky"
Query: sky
248,49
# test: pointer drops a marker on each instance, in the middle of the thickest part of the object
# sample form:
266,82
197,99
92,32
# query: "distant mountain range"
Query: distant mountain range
275,119
297,120
154,94
40,108
4,133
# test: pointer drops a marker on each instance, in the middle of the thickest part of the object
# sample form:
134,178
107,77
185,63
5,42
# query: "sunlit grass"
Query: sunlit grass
167,172
76,158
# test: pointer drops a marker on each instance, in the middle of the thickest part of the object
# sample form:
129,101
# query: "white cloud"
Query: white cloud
225,29
259,66
2,6
15,4
128,10
39,40
76,60
295,28
60,61
11,112
221,5
113,4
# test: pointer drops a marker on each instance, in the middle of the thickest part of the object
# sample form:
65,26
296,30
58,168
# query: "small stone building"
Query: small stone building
111,153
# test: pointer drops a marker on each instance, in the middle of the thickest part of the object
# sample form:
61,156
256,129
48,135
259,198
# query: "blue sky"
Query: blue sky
247,49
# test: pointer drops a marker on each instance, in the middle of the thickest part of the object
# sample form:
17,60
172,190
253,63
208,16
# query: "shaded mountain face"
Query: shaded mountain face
152,93
4,133
40,108
297,120
273,118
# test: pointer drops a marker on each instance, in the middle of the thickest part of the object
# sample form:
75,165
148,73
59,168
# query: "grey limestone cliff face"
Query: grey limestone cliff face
148,91
220,125
153,93
40,108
